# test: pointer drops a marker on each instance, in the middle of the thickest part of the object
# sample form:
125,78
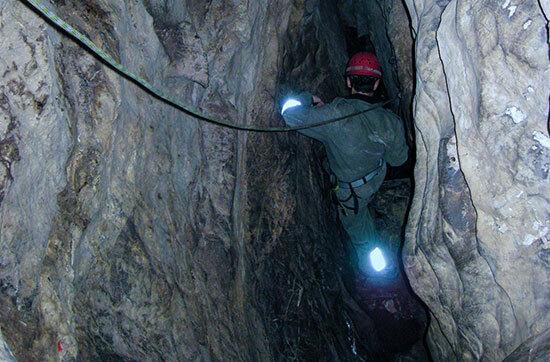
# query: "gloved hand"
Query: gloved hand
317,102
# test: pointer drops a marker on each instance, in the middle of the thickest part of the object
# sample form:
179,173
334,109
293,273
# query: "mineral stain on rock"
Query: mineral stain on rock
130,231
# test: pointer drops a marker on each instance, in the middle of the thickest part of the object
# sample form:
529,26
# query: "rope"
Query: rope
93,49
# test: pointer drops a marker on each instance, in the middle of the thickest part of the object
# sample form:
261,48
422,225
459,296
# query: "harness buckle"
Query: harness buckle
351,186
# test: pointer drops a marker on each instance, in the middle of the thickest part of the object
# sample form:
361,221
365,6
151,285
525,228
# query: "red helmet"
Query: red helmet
364,63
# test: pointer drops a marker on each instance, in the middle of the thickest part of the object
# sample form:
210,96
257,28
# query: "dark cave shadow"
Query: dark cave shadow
349,276
406,277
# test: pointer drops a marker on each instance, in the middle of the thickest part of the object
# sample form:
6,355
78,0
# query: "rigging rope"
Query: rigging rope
93,49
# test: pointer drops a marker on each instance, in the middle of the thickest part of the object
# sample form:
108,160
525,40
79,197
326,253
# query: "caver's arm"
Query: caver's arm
396,152
308,114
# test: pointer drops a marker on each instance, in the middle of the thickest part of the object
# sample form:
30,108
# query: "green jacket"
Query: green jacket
354,146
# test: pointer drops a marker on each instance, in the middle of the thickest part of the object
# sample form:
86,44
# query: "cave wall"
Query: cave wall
5,351
477,249
315,54
132,231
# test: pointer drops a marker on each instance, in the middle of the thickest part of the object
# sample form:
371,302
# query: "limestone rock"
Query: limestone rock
535,349
5,352
129,230
478,229
132,231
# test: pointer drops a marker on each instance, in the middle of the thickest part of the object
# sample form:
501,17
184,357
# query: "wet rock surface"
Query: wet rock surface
535,349
478,229
130,231
5,352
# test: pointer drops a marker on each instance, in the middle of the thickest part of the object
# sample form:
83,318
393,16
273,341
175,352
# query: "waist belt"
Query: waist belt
363,180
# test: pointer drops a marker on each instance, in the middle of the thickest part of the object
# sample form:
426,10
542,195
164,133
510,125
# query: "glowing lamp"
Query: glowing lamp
377,260
290,103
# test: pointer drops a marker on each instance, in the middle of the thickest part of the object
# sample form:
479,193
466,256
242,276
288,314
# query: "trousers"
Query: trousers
360,227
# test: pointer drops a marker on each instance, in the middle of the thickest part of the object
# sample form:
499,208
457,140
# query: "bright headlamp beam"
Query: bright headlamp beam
377,259
290,103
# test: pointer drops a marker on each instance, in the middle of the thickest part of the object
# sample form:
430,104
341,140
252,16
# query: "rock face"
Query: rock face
478,244
535,349
131,231
315,51
5,352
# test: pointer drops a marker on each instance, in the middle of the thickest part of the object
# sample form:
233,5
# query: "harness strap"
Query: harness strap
363,180
351,186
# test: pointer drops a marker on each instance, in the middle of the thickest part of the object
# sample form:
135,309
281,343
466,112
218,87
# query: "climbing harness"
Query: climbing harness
94,50
351,186
363,180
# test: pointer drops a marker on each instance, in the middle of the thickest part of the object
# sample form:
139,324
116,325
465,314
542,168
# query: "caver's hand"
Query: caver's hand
317,102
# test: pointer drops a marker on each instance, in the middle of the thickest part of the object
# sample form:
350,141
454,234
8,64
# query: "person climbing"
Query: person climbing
359,147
